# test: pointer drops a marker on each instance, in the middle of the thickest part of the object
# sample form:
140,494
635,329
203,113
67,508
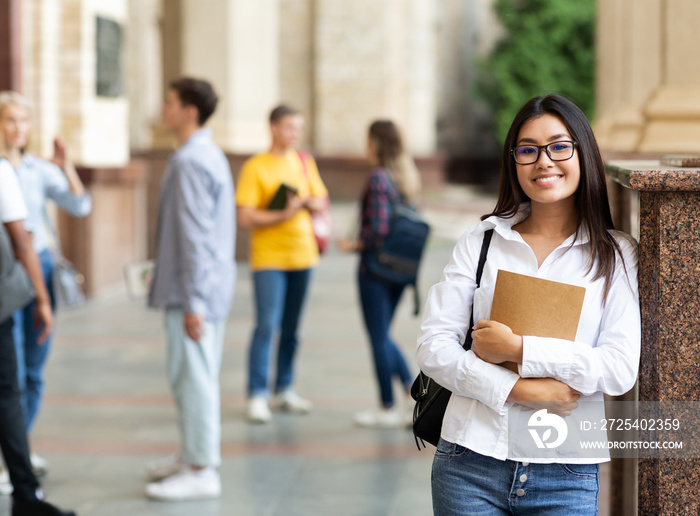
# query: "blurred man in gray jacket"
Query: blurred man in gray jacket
194,282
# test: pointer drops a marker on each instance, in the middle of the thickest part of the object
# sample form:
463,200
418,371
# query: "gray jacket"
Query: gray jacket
195,257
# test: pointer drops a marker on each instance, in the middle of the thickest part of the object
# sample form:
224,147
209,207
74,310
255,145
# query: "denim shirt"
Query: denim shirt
195,261
41,180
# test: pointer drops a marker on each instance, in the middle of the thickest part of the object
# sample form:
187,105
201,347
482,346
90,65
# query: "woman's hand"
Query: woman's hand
545,393
349,245
60,155
495,343
43,320
62,161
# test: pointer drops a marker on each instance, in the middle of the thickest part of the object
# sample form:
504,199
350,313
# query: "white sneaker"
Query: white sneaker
290,401
186,485
39,464
5,484
258,410
382,418
165,467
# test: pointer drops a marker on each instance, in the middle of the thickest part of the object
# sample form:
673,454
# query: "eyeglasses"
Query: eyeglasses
557,151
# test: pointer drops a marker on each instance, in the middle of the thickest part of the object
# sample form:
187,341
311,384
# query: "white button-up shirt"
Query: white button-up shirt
604,358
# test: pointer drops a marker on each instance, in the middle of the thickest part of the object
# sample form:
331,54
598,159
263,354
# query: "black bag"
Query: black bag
431,398
398,257
16,290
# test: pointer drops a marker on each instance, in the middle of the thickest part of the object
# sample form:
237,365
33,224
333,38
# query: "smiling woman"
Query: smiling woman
551,221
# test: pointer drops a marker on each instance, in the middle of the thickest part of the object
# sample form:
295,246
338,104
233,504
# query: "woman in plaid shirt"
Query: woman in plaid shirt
394,180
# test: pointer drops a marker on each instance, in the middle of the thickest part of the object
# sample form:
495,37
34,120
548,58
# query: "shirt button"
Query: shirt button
526,464
520,492
523,478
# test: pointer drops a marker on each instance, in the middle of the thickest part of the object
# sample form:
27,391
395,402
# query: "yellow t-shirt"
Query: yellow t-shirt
289,245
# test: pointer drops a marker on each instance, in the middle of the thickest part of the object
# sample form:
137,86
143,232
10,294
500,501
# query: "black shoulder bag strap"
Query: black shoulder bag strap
479,271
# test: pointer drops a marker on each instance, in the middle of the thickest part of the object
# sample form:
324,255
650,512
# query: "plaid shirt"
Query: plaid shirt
377,209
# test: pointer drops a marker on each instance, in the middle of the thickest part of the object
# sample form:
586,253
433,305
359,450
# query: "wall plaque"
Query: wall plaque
109,58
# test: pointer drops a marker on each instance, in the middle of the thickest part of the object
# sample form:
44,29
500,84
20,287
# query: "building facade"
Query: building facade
96,72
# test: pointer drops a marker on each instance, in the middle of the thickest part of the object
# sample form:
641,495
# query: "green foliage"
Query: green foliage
549,48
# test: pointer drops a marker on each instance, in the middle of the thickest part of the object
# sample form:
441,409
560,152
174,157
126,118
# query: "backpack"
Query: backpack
398,257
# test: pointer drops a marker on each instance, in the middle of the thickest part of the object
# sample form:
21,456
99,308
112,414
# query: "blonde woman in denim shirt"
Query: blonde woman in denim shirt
394,180
39,180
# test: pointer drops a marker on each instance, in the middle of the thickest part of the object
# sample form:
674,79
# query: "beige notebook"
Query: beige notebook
535,306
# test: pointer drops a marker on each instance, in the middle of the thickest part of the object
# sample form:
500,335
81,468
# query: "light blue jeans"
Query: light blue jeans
467,483
32,356
279,302
193,372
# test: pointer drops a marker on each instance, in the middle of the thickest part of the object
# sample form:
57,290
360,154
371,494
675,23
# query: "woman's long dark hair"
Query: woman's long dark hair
591,197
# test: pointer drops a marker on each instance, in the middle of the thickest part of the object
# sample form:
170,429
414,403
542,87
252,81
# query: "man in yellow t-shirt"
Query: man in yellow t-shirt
283,253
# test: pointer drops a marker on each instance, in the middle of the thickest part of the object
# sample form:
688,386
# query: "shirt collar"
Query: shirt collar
27,160
504,226
200,135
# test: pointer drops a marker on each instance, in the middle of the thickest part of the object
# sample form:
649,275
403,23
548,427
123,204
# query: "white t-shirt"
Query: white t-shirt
12,205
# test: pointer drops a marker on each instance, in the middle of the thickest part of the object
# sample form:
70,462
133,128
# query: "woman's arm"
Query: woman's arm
62,183
610,366
545,393
446,319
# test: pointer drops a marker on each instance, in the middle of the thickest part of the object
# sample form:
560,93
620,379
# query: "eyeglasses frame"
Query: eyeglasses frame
546,149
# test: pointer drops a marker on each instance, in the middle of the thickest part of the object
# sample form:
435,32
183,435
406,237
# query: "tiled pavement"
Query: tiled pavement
108,410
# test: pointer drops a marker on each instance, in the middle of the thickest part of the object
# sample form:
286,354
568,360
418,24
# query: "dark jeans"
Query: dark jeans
379,300
13,433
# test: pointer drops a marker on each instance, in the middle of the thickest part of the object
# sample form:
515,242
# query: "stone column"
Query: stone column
629,61
144,71
373,59
296,61
673,111
648,76
669,289
234,44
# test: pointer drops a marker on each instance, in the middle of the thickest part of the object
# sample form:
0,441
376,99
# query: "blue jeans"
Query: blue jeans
379,300
31,356
279,301
467,483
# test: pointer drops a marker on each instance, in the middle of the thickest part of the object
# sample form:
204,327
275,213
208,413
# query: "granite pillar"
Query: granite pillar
669,290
